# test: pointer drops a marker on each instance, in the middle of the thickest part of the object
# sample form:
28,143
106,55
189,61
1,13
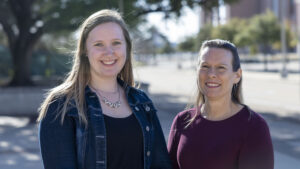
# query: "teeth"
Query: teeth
212,84
108,62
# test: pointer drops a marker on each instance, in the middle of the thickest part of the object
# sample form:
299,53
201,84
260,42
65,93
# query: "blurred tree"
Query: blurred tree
205,33
25,21
229,30
209,5
264,30
168,48
188,45
2,37
151,42
175,6
291,39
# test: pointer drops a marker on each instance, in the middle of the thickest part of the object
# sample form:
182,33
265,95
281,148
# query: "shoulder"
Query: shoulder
182,118
256,124
186,114
56,105
138,95
255,119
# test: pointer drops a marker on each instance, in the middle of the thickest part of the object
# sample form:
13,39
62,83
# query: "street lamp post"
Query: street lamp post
284,72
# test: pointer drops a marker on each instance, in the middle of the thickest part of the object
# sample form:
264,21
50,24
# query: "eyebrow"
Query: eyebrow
217,64
102,40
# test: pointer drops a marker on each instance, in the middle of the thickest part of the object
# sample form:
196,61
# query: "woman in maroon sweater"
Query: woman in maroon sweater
220,132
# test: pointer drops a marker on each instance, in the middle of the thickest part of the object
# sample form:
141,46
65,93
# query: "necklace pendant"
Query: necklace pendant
110,104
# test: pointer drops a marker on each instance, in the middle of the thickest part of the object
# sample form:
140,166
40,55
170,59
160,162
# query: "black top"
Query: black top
124,143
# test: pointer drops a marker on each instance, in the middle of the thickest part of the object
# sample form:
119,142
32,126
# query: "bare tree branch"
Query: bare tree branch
147,11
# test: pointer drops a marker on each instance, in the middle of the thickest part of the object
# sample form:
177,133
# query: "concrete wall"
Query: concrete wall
20,100
25,101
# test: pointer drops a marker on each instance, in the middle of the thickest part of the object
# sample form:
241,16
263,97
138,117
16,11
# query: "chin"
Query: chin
110,75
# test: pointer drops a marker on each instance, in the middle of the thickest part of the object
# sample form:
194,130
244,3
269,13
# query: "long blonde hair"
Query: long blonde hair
236,93
73,88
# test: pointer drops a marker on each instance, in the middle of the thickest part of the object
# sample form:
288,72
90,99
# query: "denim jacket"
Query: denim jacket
72,145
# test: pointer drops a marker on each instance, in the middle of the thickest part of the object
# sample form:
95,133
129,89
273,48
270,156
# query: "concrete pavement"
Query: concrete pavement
276,99
19,147
265,91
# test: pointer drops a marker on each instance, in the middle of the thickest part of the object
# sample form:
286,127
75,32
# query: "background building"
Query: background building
248,9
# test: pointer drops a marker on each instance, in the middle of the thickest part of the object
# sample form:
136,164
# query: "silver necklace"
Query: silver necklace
108,103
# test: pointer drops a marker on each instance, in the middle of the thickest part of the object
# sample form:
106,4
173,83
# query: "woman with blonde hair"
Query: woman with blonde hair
220,132
96,119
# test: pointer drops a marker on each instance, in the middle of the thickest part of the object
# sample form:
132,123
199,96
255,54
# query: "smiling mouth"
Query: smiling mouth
212,85
111,62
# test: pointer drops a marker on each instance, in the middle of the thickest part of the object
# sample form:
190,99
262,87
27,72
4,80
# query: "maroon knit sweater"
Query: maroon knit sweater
240,142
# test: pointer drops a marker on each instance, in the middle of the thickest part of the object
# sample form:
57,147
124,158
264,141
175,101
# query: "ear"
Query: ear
238,75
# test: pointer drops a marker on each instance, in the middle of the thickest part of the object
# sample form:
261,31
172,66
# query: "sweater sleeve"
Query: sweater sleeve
257,150
173,143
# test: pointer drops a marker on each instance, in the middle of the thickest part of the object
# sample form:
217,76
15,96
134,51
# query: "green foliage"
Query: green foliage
188,45
261,32
230,30
175,6
226,31
67,15
50,63
264,30
205,33
291,37
167,48
5,62
25,21
209,4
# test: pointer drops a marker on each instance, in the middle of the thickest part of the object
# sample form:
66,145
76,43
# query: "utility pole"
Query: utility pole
297,3
284,72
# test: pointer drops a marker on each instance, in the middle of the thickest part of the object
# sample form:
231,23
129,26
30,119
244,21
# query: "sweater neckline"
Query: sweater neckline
236,115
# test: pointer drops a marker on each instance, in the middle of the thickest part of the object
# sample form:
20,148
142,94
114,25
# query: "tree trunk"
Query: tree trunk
22,55
22,43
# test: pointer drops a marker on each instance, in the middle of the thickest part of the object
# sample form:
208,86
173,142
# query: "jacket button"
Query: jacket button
136,108
147,108
148,153
147,128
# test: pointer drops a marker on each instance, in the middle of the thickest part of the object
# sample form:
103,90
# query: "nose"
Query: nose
108,50
212,73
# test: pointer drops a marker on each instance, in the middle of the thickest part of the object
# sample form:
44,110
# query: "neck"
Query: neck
104,84
216,110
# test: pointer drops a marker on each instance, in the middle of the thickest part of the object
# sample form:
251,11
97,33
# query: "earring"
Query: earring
234,87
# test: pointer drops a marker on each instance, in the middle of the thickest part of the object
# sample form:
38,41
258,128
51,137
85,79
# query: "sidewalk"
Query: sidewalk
264,92
19,147
278,100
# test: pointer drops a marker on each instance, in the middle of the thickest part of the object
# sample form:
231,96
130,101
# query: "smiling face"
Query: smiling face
106,50
216,76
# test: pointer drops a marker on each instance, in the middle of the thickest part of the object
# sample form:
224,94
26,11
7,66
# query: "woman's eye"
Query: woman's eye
204,66
222,67
98,44
116,43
